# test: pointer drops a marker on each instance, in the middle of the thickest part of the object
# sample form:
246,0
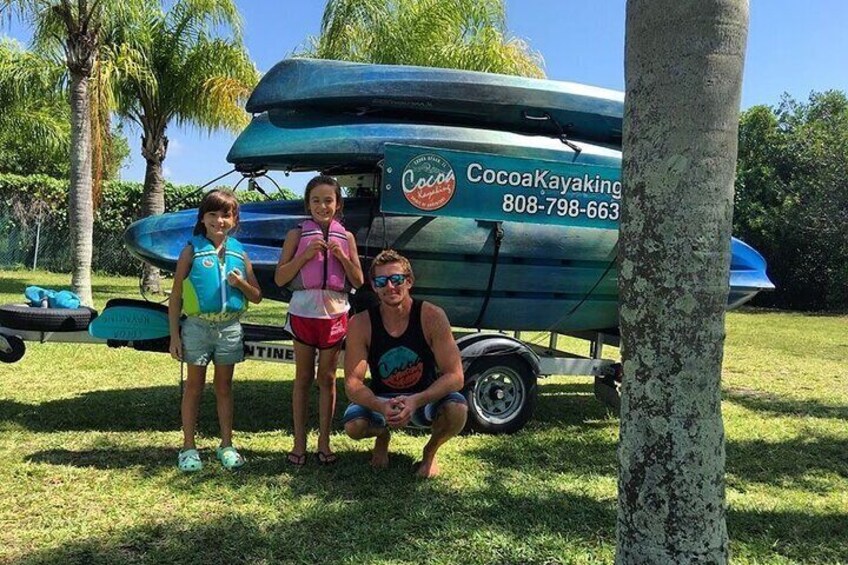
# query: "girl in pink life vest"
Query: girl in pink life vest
320,264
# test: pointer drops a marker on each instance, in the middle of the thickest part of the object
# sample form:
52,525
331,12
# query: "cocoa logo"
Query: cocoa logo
428,182
400,368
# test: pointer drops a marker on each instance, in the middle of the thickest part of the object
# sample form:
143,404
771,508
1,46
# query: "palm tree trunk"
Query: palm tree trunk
154,148
80,205
683,66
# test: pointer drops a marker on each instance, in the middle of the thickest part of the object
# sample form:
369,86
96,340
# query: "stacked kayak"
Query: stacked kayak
525,173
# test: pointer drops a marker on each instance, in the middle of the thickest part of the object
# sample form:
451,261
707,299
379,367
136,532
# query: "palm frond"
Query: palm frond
215,80
40,124
186,65
464,34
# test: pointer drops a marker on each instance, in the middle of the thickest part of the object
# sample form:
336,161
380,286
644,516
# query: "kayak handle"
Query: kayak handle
563,137
528,116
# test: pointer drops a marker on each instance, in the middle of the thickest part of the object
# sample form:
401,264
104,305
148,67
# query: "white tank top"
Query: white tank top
318,303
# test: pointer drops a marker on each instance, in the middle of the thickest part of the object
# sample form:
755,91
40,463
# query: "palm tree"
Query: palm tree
461,34
34,124
683,64
76,28
187,65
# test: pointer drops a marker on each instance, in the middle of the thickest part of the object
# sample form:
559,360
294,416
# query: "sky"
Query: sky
793,47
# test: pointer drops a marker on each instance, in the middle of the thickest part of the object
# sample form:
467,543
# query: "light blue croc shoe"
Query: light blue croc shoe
229,457
189,461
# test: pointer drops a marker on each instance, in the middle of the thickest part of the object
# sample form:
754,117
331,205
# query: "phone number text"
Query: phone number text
563,207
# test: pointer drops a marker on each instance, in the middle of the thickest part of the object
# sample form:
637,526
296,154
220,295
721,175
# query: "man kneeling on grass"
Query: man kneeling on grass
416,371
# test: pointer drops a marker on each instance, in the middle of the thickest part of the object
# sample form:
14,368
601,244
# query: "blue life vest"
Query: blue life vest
206,290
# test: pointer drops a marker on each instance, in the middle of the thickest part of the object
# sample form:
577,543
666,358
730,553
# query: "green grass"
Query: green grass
88,439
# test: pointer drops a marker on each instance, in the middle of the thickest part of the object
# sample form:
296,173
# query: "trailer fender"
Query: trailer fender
477,345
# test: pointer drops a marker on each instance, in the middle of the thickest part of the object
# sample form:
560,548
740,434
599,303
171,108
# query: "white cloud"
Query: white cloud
175,147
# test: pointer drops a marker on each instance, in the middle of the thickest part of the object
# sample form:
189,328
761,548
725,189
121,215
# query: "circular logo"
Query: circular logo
400,368
428,182
208,263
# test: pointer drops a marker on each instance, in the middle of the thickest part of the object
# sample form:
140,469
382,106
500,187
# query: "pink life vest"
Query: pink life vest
323,271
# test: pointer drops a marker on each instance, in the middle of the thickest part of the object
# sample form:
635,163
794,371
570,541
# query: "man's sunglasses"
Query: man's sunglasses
396,280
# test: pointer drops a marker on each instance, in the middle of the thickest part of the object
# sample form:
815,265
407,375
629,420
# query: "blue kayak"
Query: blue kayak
548,277
444,96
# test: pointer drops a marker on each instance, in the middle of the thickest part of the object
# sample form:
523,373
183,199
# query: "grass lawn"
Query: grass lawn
88,439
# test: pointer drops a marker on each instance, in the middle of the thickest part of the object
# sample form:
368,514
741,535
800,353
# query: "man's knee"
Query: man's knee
453,413
357,429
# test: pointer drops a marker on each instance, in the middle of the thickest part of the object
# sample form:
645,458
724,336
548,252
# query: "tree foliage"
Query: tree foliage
73,31
35,130
35,126
461,34
792,198
187,65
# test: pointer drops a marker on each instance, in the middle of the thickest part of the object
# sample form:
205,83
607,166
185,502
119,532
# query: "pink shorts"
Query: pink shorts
323,333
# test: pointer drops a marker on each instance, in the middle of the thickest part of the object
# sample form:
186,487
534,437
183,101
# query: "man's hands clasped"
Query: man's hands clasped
398,411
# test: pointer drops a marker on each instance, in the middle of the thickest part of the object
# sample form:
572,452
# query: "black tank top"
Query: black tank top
402,364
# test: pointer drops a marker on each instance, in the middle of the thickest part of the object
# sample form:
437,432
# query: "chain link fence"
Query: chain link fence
43,242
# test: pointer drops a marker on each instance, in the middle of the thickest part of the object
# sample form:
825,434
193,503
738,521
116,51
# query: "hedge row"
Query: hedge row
39,203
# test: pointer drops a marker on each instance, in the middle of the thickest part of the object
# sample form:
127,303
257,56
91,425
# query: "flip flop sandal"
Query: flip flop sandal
230,458
326,458
296,459
189,461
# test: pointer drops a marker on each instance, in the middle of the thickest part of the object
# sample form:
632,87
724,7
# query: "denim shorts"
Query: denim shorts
422,417
205,341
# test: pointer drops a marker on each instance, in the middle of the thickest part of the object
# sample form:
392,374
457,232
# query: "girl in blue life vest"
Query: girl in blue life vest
320,264
212,284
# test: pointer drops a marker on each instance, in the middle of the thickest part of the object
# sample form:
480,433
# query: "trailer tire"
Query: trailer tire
25,317
17,348
501,393
608,391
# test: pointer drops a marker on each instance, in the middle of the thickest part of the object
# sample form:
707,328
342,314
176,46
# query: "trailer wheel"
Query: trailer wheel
15,350
607,392
25,317
501,394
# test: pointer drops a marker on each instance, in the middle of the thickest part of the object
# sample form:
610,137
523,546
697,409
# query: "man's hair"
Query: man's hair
388,256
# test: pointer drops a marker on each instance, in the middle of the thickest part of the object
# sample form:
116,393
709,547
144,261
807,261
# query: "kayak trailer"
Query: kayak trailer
501,369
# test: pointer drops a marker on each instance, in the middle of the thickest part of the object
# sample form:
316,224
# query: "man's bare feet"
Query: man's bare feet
428,468
380,454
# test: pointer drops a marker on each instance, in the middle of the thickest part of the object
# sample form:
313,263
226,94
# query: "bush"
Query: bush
792,198
35,207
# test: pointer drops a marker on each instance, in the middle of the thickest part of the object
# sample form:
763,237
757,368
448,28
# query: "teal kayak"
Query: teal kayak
298,141
445,96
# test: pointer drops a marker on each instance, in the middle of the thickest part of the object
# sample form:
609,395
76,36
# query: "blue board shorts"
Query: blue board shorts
205,341
422,417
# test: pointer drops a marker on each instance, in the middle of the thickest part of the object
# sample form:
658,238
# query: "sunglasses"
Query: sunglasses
396,280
